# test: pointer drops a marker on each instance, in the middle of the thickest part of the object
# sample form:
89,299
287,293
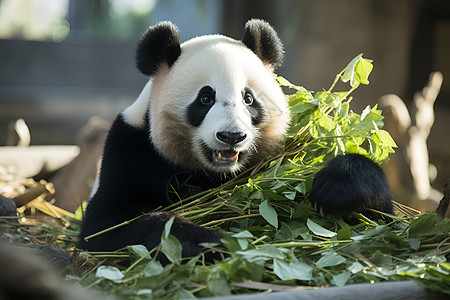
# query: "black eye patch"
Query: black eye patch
254,106
198,109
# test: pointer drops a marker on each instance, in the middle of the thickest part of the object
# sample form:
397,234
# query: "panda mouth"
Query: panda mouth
225,156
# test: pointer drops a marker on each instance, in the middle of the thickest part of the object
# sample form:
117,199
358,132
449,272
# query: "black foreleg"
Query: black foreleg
147,231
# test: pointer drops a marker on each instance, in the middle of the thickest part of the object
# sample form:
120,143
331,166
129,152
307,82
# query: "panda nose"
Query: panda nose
231,138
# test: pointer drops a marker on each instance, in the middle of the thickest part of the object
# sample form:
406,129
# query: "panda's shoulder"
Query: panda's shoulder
129,149
123,135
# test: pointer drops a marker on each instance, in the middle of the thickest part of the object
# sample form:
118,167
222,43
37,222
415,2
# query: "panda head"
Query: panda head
212,102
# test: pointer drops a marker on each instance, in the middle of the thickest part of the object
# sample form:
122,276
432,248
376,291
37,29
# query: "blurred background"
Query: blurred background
64,61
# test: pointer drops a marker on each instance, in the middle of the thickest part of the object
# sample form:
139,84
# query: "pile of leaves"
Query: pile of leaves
274,238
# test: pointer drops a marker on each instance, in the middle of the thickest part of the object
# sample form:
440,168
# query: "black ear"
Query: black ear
262,39
158,45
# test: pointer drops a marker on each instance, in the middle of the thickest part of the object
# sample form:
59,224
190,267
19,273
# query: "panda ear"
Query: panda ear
262,39
160,44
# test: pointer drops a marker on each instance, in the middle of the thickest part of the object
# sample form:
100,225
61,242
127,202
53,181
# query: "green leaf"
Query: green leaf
218,285
284,233
327,99
303,107
265,251
231,244
349,73
185,295
290,195
256,195
414,243
357,71
167,227
326,122
268,213
284,82
138,250
370,120
241,269
144,292
319,230
380,258
172,248
170,245
277,166
429,227
301,187
342,110
303,232
330,259
153,268
356,267
362,70
341,278
292,270
385,138
345,233
243,243
243,235
109,272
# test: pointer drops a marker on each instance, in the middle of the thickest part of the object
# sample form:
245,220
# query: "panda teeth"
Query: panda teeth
226,156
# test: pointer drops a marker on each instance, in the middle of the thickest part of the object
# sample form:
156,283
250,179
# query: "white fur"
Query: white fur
135,113
95,186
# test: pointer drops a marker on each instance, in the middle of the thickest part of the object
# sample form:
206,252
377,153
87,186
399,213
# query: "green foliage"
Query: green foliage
373,253
272,233
325,126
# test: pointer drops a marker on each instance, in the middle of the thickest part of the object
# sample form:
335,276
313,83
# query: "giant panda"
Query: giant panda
211,109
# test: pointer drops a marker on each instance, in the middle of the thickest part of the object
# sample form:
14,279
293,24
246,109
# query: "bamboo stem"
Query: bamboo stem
230,219
111,228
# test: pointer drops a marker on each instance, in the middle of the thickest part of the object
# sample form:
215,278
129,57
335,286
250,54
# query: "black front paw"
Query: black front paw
351,183
191,236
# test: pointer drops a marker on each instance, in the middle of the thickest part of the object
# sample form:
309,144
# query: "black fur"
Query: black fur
159,45
351,183
134,180
198,110
262,39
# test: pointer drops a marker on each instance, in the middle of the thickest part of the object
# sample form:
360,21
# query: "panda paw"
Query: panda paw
350,183
190,235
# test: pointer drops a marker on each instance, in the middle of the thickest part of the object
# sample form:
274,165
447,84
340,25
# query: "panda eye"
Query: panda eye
248,99
205,99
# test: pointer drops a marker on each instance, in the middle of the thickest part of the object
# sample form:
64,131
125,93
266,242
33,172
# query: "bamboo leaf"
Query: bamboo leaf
319,230
341,278
109,272
292,270
330,259
172,248
268,213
